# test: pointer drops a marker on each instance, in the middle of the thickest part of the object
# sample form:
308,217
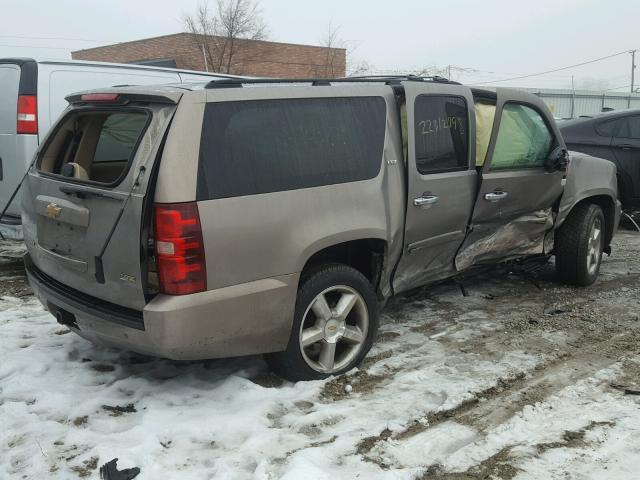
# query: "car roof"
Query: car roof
252,82
602,116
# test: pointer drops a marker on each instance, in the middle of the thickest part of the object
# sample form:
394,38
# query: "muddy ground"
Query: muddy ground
567,335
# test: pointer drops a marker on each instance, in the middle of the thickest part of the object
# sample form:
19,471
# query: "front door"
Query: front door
441,180
514,209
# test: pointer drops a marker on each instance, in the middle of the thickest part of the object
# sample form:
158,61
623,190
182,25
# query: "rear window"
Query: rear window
95,146
262,146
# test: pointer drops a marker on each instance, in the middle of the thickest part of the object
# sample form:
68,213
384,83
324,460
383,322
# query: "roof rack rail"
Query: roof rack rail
325,82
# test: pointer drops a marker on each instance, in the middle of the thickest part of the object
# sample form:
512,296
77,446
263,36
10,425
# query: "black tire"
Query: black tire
575,263
293,364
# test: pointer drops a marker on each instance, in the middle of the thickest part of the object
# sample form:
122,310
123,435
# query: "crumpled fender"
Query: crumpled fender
588,176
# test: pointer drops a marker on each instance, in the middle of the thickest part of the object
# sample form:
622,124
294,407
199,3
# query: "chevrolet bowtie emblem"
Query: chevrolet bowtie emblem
53,210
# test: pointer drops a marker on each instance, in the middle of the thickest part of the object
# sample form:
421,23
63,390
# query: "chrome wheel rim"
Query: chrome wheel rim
594,248
334,329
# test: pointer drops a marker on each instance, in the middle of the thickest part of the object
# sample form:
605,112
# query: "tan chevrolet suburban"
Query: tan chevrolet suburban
276,216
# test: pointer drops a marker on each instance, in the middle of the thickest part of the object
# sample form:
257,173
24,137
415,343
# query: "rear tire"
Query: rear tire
335,322
579,244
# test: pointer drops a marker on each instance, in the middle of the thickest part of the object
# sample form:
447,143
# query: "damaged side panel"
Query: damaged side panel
524,235
589,177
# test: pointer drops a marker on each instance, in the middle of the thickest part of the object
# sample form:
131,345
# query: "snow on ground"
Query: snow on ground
483,386
212,419
582,432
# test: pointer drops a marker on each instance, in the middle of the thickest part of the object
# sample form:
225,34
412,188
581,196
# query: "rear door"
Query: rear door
626,147
67,221
441,180
10,170
514,208
590,136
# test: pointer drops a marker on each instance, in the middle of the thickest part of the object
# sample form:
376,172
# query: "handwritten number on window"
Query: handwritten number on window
429,126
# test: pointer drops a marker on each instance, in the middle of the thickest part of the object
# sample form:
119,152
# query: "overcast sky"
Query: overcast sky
483,41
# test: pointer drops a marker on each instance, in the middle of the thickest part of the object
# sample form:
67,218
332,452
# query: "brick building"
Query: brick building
252,57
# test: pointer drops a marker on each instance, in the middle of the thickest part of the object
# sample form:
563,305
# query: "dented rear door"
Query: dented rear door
441,180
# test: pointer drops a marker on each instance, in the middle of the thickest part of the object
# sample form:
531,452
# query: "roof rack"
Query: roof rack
325,82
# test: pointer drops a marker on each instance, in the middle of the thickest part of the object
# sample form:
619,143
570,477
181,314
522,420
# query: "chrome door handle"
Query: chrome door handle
425,200
495,196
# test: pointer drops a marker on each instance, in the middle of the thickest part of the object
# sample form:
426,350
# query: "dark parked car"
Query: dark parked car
616,137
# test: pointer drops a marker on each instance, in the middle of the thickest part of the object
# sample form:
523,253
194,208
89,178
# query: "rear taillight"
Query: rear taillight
179,248
27,121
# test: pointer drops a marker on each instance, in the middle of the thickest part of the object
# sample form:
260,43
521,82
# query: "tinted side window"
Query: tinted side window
609,128
632,128
442,133
524,140
262,146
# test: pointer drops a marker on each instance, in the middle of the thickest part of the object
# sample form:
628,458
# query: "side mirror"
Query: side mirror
558,160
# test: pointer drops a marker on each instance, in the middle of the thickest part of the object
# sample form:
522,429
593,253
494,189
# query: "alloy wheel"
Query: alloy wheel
334,329
594,248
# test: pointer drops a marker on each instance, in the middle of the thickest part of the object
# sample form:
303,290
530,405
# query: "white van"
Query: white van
32,96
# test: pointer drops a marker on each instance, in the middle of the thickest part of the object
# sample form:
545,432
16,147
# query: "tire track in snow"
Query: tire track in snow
498,403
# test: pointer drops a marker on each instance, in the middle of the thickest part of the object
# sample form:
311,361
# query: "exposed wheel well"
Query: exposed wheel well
365,255
622,189
608,209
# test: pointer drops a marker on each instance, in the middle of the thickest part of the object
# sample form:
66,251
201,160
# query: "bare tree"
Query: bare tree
219,33
332,65
359,67
333,44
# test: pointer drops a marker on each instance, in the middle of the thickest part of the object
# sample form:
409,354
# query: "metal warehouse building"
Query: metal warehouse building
573,103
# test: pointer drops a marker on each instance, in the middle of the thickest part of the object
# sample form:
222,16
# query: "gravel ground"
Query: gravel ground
519,378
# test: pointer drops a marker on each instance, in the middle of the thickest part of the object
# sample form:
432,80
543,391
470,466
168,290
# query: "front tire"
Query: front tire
335,322
579,246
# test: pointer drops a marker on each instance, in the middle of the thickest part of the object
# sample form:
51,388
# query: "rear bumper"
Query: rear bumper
245,319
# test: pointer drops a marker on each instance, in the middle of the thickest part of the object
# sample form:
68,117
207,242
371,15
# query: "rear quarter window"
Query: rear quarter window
262,146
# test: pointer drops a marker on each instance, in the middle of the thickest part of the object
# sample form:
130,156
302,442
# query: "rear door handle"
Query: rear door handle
425,200
624,146
495,196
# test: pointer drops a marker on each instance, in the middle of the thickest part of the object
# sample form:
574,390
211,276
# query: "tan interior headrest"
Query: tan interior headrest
79,171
